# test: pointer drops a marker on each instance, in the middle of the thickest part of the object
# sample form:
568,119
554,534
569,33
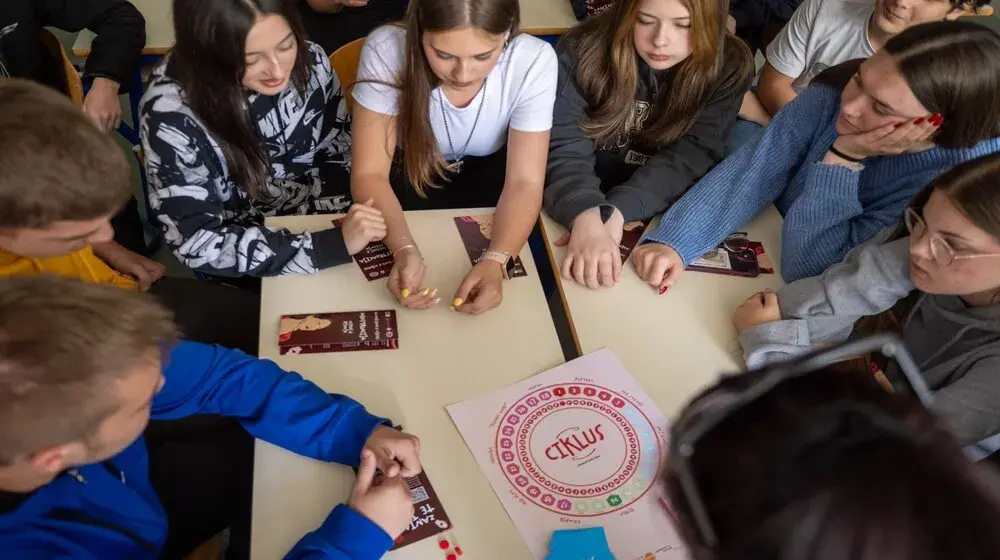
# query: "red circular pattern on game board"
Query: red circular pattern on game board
567,396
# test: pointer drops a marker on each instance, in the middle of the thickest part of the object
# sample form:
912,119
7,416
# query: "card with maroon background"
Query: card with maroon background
375,260
429,517
631,235
476,243
345,332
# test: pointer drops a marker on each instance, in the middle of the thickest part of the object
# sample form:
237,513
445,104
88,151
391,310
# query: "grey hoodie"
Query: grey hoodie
957,347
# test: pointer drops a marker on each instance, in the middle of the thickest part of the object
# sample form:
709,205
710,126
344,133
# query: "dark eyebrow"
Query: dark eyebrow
480,55
287,37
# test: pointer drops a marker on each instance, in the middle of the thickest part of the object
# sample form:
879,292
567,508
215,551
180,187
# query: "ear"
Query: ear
56,459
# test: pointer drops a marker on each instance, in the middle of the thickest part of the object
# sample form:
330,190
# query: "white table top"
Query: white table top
672,344
444,357
159,28
538,17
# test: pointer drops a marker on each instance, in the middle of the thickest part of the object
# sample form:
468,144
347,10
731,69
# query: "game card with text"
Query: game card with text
476,233
338,332
375,260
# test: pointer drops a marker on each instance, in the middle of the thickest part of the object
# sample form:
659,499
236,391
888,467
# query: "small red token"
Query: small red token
444,544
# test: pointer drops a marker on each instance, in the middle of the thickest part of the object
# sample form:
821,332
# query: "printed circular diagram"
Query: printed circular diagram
578,449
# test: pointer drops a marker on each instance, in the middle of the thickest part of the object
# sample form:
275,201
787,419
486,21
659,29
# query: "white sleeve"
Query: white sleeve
537,98
380,65
787,52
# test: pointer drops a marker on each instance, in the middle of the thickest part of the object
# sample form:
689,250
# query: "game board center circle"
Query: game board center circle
577,447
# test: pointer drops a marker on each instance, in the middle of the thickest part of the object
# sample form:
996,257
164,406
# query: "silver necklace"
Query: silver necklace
456,166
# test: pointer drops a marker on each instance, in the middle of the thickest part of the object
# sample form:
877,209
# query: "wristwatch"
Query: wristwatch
502,257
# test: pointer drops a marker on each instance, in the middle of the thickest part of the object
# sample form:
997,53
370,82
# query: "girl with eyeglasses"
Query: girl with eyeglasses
814,460
841,161
940,285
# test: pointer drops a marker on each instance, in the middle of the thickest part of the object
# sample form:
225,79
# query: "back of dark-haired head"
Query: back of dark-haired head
55,164
953,68
830,466
423,161
208,61
63,344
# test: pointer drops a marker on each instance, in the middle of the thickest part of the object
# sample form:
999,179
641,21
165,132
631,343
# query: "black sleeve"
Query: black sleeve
679,164
120,29
571,182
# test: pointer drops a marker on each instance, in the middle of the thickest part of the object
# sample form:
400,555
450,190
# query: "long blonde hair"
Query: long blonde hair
423,162
608,72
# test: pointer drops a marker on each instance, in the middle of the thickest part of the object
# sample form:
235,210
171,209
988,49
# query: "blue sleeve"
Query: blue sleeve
828,219
737,189
274,405
344,535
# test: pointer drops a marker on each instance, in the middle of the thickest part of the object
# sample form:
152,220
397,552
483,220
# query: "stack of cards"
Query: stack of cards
475,232
579,544
631,234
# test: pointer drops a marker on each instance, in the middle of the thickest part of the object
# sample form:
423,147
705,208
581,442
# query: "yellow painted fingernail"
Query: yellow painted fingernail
457,302
452,307
434,293
427,291
406,293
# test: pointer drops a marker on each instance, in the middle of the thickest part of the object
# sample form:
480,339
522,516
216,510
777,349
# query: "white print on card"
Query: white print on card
635,158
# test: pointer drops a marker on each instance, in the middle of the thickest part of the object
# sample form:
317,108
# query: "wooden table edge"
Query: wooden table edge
147,51
559,287
546,30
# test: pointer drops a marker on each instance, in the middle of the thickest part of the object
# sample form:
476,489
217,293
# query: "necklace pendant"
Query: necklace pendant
456,166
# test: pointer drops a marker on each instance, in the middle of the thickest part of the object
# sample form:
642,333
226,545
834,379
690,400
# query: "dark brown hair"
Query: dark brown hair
608,72
953,68
422,159
830,466
62,344
209,62
55,164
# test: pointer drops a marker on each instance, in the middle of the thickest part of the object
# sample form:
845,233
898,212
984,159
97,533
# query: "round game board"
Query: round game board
578,449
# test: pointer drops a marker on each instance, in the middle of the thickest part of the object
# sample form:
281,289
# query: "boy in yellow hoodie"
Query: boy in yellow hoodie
61,180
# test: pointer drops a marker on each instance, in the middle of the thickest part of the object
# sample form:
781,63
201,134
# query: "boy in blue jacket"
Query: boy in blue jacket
83,367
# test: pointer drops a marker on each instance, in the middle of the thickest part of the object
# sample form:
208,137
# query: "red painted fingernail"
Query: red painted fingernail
458,551
452,557
897,125
443,544
919,121
938,120
663,290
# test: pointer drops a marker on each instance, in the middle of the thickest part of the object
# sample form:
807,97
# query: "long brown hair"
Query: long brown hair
208,61
608,72
423,161
953,68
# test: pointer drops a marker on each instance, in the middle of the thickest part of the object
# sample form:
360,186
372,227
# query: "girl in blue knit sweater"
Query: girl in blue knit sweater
840,164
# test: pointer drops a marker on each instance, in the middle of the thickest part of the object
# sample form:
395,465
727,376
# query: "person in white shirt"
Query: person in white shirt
467,102
824,33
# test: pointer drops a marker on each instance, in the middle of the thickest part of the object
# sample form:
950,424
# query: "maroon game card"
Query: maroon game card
375,260
630,237
338,332
475,232
429,517
735,256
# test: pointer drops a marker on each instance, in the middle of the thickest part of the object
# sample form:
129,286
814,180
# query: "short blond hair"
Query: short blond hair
63,344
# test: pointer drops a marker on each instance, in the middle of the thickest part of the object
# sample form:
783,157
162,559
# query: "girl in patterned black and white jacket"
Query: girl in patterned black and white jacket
245,119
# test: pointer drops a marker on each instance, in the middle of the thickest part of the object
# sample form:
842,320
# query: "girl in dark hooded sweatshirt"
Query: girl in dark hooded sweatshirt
647,94
941,283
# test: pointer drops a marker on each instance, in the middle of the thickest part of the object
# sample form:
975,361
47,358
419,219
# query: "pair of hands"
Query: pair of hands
379,491
480,291
137,267
593,257
889,140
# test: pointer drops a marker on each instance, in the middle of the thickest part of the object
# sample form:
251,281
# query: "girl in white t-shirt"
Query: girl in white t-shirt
467,102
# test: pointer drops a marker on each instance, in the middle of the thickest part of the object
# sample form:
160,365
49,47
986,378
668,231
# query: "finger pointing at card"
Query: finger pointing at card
396,453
